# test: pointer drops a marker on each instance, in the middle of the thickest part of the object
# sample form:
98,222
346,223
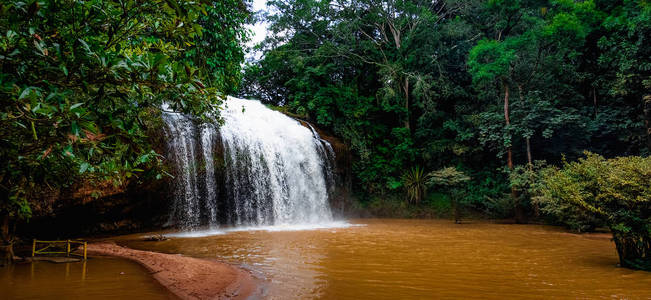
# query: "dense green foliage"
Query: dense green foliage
617,191
486,86
529,181
452,181
82,82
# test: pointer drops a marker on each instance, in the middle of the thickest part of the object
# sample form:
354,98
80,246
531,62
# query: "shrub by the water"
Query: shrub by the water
616,190
558,211
526,180
453,181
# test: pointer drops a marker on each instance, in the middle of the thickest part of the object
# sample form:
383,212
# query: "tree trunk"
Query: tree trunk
6,246
518,209
520,215
647,119
527,139
594,103
509,154
633,249
529,160
406,89
536,209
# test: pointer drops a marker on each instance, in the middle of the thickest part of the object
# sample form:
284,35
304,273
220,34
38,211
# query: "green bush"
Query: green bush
558,211
500,206
454,182
486,192
526,181
616,190
392,205
439,202
388,206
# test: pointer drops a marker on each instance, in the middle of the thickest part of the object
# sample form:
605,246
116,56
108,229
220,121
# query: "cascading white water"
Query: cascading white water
326,151
275,171
207,145
193,196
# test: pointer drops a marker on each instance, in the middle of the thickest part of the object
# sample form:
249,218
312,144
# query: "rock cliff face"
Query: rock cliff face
80,211
102,208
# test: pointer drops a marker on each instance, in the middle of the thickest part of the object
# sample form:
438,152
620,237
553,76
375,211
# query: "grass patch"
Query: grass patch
435,205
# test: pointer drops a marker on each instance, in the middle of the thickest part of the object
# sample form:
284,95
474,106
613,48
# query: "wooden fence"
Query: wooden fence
58,247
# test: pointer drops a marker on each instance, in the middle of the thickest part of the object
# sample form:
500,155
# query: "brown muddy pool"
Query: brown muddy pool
97,278
420,259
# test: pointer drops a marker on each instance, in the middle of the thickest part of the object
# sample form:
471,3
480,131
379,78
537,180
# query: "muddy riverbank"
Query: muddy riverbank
187,277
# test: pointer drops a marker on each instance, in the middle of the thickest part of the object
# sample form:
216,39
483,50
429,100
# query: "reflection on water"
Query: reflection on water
97,278
415,259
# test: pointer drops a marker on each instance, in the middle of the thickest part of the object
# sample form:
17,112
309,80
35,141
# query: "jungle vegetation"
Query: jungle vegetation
536,110
429,92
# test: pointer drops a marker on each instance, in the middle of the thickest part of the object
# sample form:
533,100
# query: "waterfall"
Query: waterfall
210,201
274,170
193,196
326,151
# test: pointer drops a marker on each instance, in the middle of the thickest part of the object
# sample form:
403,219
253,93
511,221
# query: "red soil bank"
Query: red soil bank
187,277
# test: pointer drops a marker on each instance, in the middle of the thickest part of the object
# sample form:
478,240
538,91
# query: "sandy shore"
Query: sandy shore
187,277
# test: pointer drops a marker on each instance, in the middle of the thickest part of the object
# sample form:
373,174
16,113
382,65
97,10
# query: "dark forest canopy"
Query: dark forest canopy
484,86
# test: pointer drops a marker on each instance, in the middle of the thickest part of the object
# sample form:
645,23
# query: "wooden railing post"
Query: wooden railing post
57,250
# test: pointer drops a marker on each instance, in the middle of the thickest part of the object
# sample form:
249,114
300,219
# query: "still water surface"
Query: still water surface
421,259
97,278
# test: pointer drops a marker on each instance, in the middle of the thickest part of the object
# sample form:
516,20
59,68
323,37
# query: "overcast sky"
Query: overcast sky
259,29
